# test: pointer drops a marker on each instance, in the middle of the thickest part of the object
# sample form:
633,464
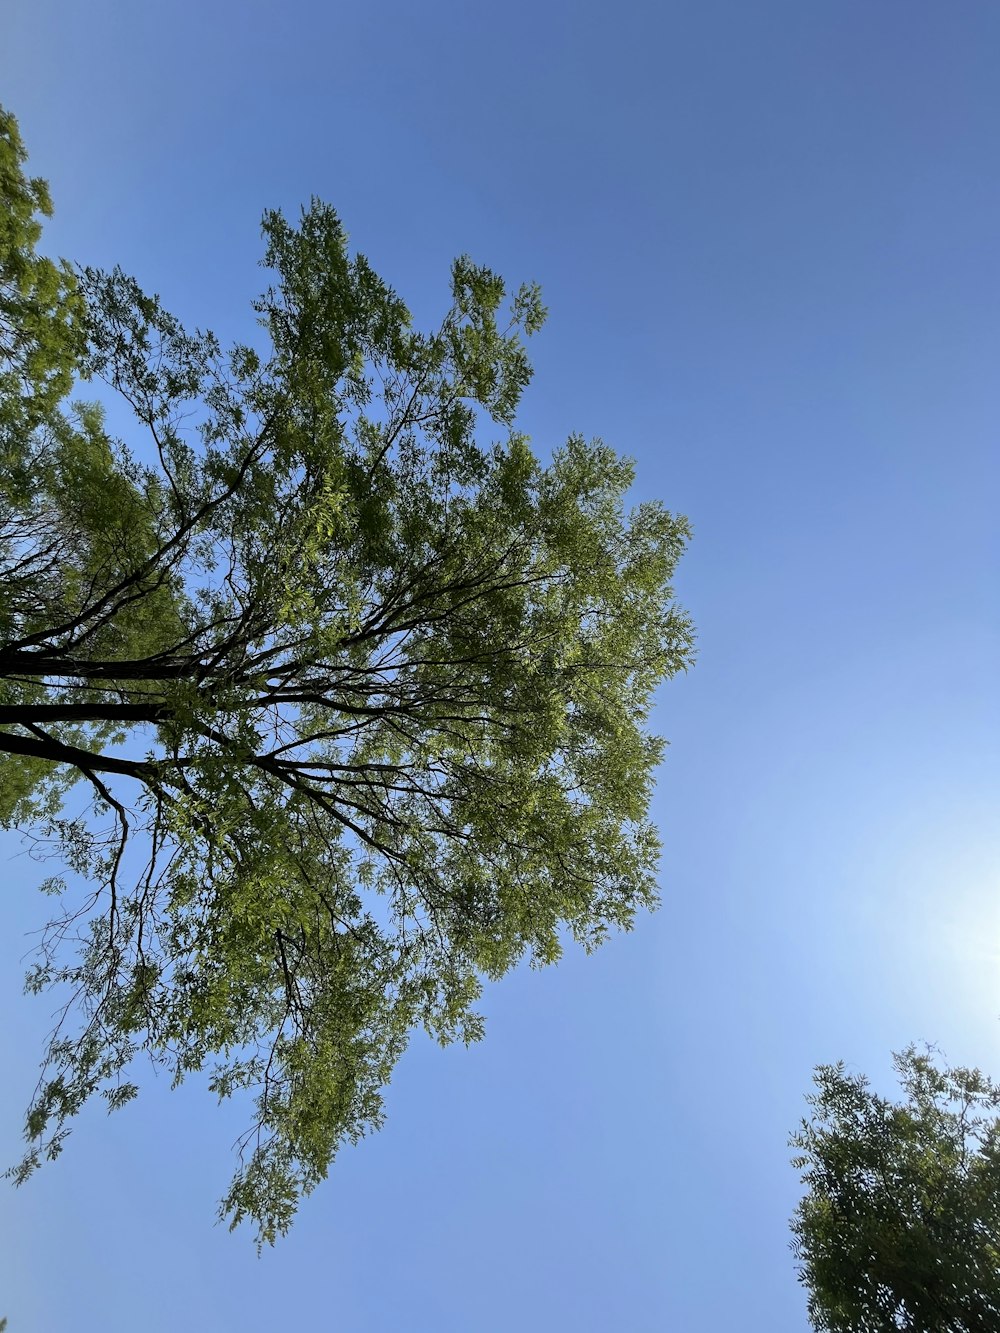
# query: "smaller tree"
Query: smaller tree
900,1225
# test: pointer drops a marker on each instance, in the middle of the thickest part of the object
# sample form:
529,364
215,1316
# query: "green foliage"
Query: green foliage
900,1225
40,316
381,676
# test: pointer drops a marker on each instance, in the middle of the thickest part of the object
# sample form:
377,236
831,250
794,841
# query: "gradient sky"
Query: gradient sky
767,233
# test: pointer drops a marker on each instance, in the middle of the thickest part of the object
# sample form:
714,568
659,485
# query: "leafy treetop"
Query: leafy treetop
355,687
900,1224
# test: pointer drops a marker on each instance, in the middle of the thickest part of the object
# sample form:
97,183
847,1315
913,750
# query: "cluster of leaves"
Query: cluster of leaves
357,687
900,1225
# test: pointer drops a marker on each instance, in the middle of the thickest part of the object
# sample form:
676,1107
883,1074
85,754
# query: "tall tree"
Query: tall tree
354,688
900,1225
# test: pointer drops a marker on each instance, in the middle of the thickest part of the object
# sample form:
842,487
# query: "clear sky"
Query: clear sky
768,236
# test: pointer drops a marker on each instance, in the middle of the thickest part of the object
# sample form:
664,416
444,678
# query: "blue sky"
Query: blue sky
767,236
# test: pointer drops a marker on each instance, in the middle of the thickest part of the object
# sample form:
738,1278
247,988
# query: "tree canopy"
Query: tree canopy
900,1225
331,698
